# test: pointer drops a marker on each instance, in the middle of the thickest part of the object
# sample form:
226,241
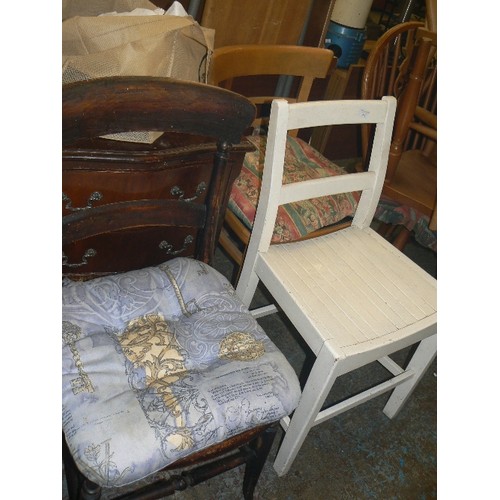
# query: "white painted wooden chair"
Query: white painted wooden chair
352,296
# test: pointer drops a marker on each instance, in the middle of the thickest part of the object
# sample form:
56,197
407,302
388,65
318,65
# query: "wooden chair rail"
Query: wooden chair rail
154,107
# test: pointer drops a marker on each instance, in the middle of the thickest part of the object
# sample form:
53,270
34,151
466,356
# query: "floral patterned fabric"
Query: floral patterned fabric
162,362
294,220
391,212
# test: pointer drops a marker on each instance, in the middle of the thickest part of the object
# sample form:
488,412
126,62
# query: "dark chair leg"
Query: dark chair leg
79,487
402,238
387,230
71,475
306,367
261,447
89,491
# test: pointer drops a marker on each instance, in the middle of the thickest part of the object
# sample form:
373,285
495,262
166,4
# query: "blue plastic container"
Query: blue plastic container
347,43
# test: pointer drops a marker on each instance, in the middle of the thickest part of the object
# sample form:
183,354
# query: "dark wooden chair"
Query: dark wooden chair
136,213
235,67
403,63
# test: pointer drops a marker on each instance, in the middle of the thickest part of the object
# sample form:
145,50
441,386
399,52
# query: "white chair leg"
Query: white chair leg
318,385
420,361
246,286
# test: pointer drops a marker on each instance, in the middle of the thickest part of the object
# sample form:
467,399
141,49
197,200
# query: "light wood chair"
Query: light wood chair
352,296
232,67
237,61
403,63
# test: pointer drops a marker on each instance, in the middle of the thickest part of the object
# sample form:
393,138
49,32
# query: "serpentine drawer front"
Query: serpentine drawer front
177,175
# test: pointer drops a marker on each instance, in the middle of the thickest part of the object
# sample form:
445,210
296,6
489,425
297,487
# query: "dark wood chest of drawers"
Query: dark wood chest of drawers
178,172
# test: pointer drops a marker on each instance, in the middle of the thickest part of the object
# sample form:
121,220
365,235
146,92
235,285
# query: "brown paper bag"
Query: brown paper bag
165,45
72,8
129,45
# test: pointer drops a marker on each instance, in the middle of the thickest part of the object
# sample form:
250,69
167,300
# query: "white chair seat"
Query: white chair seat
341,287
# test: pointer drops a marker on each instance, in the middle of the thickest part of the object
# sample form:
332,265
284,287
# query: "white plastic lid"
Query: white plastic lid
352,13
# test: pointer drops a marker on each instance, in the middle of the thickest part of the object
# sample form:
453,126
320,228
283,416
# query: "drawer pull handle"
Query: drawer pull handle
177,191
169,249
95,196
88,253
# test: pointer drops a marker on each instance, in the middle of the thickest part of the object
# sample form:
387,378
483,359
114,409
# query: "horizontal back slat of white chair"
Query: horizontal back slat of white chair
315,188
341,112
321,113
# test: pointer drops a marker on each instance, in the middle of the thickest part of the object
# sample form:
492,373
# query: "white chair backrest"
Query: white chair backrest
286,116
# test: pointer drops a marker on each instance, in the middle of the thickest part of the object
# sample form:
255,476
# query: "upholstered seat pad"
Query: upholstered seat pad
392,212
159,363
294,220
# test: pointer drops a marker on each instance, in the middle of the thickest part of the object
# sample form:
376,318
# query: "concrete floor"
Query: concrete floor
360,454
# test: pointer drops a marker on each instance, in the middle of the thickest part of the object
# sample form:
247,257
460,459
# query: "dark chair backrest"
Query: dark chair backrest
128,205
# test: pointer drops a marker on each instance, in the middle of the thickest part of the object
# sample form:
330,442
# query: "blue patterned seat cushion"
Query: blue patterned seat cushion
160,363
